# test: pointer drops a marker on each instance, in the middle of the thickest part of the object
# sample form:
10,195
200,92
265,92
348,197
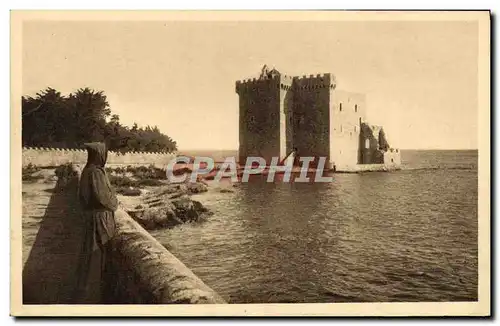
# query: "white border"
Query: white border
91,4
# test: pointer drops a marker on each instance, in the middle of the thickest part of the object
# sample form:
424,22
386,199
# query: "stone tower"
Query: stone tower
311,114
280,114
263,115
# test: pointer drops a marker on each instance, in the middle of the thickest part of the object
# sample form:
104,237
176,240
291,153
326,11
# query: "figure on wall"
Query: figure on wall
99,203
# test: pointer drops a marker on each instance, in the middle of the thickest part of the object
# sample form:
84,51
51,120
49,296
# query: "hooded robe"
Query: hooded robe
99,202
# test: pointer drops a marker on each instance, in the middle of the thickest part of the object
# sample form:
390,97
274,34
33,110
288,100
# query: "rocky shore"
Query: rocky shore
166,206
143,192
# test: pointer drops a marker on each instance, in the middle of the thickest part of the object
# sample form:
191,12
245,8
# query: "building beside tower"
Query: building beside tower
279,114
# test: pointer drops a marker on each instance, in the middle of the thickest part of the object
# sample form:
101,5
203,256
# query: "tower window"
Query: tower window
340,128
355,129
355,108
367,143
340,107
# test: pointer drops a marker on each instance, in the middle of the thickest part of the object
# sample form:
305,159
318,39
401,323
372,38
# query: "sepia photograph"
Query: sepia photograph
250,163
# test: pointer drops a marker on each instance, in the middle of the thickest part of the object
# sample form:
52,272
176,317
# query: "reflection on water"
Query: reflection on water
402,236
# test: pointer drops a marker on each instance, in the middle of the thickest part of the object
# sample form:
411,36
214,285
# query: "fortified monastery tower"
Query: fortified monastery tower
279,114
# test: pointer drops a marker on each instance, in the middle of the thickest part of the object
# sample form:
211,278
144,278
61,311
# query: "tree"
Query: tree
52,120
43,118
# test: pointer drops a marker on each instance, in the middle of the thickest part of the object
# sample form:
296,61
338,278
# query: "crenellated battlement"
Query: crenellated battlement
286,82
254,80
253,83
312,82
43,156
78,150
312,76
51,149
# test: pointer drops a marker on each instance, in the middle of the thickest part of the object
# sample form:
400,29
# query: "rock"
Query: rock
199,207
174,188
156,217
196,187
226,190
201,180
182,170
169,206
184,209
176,195
188,210
164,193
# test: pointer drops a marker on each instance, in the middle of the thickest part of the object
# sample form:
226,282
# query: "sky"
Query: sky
419,78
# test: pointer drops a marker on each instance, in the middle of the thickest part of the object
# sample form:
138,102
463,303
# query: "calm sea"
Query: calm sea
409,235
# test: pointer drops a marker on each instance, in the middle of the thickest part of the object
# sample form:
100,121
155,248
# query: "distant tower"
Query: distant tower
262,116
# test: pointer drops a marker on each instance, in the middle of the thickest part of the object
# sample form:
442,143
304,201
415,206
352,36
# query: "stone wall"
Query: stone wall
149,274
54,157
392,158
367,168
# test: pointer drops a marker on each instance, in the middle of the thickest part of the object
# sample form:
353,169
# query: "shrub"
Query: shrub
28,171
123,181
66,171
66,175
125,191
149,182
118,170
150,172
31,178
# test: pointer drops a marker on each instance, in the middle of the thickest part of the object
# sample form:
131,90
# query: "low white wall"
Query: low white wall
55,156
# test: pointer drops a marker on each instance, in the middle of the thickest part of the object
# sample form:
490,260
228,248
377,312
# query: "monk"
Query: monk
99,203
